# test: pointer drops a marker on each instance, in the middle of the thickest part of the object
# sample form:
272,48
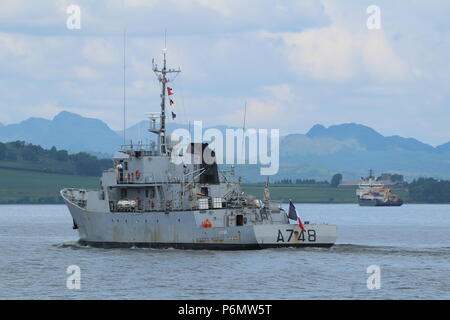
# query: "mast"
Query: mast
162,78
124,85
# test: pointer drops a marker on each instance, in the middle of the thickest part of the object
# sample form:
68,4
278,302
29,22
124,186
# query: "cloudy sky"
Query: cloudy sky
295,62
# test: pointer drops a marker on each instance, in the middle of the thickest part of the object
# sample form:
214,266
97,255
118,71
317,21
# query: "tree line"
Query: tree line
52,160
300,181
429,190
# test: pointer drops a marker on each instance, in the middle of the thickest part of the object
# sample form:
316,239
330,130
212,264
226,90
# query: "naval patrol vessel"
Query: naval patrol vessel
147,200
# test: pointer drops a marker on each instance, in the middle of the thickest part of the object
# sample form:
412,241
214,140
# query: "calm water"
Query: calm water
410,244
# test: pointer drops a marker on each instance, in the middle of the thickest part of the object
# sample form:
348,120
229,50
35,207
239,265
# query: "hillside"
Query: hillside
66,130
22,156
368,138
350,149
444,147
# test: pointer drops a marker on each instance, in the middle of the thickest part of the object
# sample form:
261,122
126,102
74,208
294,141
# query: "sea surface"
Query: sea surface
410,245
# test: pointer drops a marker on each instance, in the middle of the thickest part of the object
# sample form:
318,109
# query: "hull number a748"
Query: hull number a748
292,235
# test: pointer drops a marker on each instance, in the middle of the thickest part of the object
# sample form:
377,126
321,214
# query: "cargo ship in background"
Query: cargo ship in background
372,193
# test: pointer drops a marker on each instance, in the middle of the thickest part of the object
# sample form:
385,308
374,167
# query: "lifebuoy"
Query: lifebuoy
138,174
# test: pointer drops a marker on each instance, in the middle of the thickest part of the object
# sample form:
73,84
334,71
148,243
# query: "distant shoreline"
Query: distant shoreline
62,204
27,187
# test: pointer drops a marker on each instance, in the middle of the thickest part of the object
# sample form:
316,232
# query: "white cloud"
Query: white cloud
13,44
223,7
12,8
335,54
101,51
380,60
277,107
282,92
85,73
139,3
314,62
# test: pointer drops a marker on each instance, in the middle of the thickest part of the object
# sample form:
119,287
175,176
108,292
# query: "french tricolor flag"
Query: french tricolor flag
294,216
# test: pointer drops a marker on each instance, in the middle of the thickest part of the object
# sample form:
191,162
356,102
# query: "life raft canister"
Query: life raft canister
138,174
206,224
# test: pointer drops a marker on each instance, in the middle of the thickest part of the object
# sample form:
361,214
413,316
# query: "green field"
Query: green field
311,193
17,186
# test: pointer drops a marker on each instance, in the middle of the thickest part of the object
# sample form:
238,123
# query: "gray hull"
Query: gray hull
180,229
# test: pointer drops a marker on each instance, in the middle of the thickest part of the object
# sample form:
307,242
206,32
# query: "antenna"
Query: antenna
124,83
165,38
189,127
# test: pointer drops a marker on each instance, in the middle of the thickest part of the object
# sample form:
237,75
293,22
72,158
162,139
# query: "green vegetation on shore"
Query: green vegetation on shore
312,193
22,156
24,186
19,186
429,190
31,174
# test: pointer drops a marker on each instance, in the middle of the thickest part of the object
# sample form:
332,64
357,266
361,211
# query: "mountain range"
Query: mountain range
66,130
351,149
